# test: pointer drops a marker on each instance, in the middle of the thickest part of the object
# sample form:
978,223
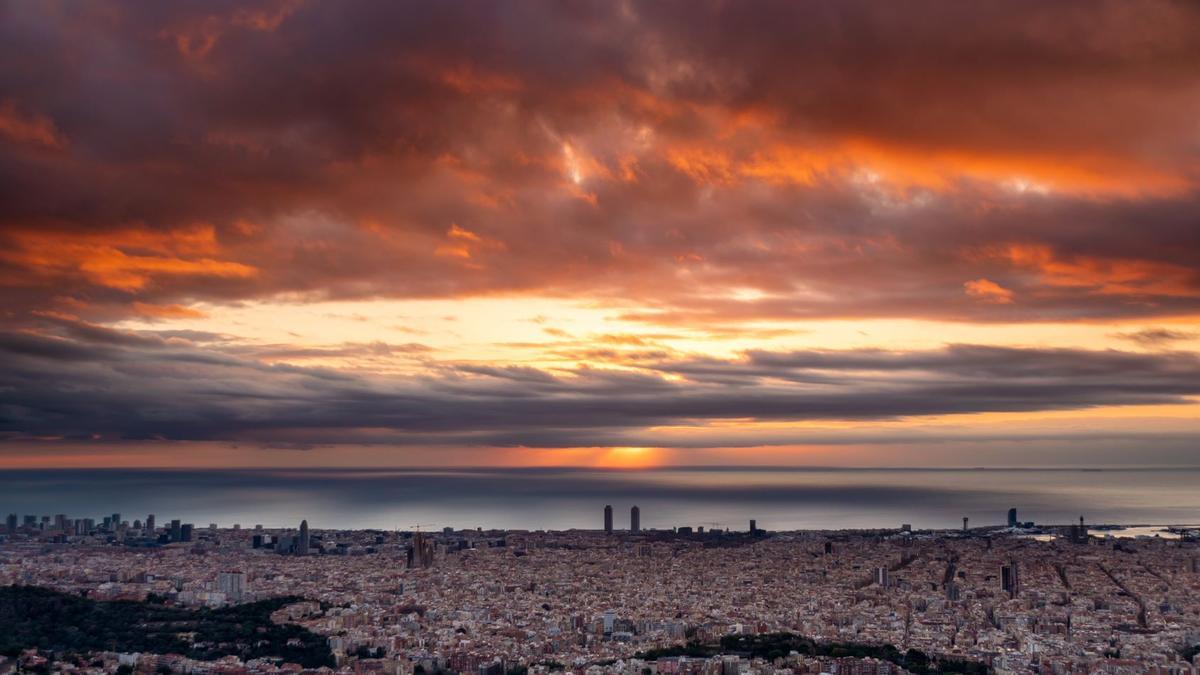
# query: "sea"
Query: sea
777,498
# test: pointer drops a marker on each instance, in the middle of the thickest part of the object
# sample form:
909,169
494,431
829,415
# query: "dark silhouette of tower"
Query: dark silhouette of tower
1012,517
420,552
302,546
635,519
1078,534
964,523
608,518
1010,579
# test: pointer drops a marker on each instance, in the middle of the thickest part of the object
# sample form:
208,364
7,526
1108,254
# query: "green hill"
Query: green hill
31,616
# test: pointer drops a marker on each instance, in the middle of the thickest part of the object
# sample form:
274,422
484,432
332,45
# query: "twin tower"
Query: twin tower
635,519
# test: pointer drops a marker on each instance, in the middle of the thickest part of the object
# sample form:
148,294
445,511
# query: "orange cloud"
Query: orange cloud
1104,276
167,311
704,165
125,260
31,129
197,37
462,243
468,79
988,291
773,157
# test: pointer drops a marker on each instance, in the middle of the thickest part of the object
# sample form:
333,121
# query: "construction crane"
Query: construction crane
417,527
712,525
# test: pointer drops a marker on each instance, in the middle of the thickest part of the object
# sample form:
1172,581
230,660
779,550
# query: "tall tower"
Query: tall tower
421,551
1012,517
964,523
302,547
608,518
635,519
150,524
1010,579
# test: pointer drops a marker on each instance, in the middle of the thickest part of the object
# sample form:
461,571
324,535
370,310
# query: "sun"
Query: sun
629,458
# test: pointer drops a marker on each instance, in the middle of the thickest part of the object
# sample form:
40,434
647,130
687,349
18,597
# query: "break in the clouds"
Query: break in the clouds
726,178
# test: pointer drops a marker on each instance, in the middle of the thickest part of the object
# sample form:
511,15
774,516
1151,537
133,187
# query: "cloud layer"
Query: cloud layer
95,383
706,167
994,161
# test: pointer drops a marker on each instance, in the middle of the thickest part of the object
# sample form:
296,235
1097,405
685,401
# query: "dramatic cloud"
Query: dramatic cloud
843,160
723,198
98,383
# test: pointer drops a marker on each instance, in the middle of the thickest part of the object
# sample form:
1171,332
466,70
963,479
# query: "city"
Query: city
600,337
1011,597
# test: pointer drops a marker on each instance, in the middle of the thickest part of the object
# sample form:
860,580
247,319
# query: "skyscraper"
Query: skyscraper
302,546
185,532
150,524
10,525
1012,517
176,530
635,519
608,521
753,526
1010,580
965,528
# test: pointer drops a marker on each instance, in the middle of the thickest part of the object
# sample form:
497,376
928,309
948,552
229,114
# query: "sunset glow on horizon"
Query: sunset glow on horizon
611,235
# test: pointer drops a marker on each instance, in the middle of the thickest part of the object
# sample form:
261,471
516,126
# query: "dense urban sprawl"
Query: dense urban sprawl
496,602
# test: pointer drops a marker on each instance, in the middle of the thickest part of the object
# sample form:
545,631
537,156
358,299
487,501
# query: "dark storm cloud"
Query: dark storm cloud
168,152
86,385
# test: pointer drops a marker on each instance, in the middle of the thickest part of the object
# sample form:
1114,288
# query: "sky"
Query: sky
605,234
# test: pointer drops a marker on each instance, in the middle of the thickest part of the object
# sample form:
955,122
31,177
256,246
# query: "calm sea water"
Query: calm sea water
778,498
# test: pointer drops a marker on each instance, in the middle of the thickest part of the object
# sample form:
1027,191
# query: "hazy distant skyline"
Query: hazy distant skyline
561,498
619,234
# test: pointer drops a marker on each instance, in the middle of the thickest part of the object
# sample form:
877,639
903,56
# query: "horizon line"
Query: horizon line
619,469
